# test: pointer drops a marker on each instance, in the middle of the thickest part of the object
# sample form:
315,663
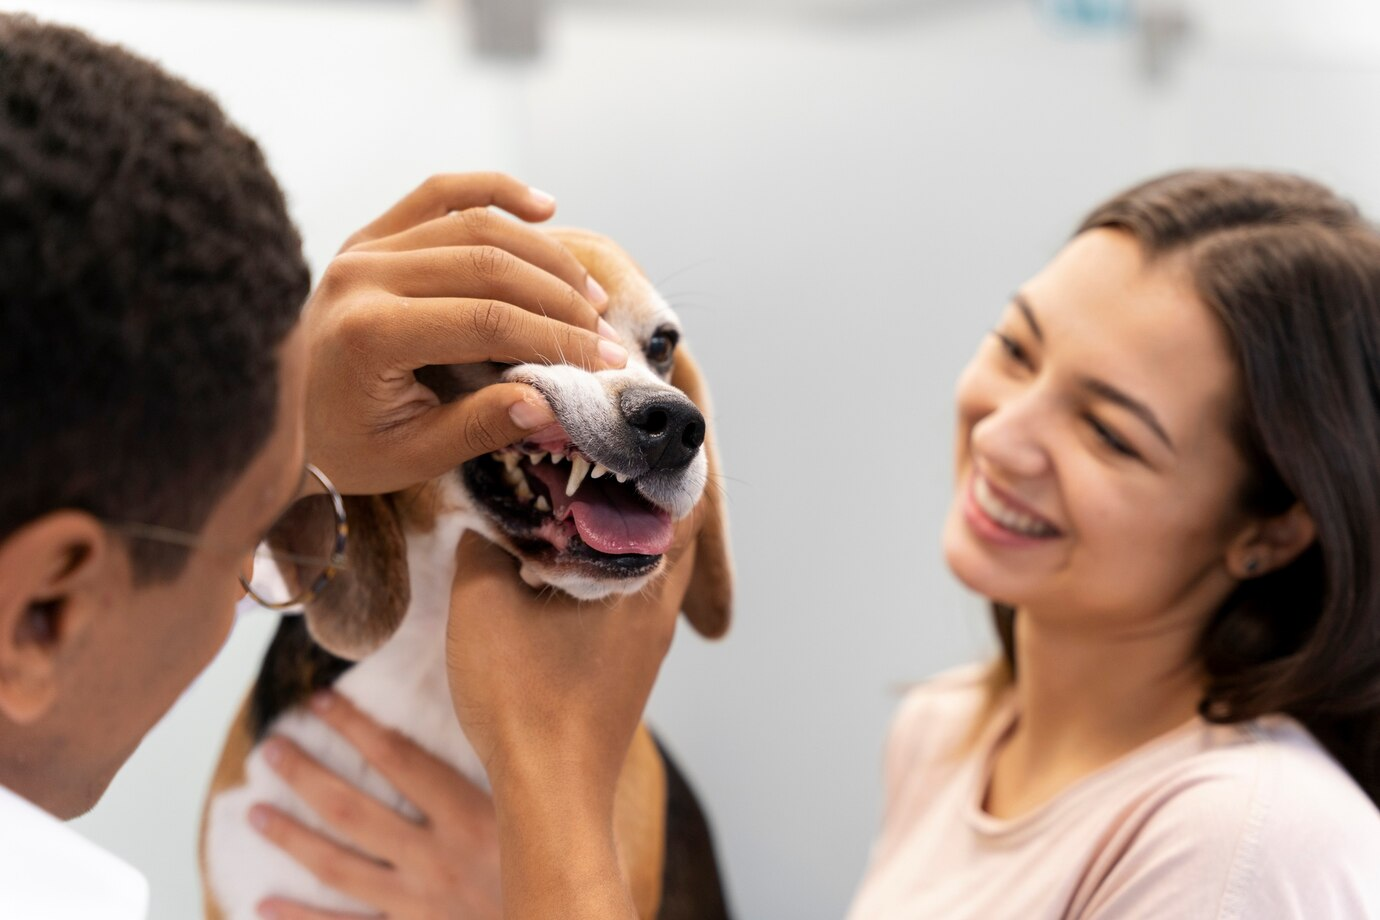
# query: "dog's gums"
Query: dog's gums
559,505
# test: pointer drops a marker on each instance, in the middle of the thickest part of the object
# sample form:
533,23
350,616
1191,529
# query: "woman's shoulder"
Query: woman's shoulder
1262,808
938,717
1273,773
949,700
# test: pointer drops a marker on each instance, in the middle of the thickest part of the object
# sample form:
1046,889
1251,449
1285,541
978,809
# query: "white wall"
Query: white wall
839,212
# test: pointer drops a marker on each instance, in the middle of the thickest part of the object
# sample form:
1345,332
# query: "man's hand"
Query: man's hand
550,691
441,279
441,866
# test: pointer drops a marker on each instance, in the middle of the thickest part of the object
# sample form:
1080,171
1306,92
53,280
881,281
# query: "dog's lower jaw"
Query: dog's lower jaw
584,588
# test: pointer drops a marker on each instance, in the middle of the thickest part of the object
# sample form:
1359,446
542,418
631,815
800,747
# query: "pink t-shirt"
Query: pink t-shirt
1253,821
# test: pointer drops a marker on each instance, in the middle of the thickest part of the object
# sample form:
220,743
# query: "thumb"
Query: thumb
487,420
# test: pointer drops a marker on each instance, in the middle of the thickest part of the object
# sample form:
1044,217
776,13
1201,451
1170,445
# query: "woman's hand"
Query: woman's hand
445,866
441,279
550,691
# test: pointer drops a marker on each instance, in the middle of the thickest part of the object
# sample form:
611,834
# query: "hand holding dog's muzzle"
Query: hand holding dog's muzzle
442,280
549,691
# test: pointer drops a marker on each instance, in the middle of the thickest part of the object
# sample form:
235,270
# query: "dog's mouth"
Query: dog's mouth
561,507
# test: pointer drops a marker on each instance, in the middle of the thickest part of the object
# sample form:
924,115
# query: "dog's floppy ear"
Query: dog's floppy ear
709,600
364,603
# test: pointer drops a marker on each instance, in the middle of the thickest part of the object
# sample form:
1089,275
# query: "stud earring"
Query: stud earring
1252,565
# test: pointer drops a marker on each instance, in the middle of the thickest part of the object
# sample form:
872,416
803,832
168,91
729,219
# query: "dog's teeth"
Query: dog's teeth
523,490
621,477
512,475
599,470
579,466
537,457
542,504
510,461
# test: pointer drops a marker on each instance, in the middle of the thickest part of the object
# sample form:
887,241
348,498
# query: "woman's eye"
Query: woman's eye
1111,439
661,346
1013,349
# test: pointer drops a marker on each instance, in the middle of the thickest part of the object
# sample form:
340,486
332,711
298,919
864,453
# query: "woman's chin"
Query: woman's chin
969,562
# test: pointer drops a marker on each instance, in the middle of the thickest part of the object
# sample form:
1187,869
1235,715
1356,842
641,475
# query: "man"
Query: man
158,400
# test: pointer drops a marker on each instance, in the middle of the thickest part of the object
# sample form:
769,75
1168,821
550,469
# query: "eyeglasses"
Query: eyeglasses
298,555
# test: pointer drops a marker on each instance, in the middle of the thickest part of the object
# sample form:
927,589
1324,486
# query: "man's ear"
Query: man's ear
709,599
1271,543
54,581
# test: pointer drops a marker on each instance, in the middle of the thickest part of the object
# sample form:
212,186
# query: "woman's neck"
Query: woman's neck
1085,699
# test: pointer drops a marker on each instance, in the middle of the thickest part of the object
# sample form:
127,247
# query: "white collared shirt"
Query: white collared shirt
50,872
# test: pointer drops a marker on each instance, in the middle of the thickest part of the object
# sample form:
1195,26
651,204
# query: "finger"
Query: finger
476,272
434,786
335,866
461,331
353,813
448,435
481,226
283,909
457,192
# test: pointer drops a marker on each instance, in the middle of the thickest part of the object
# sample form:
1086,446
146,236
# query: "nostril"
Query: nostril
655,422
693,435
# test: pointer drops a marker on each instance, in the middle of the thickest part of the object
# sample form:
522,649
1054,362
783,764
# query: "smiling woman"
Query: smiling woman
1166,457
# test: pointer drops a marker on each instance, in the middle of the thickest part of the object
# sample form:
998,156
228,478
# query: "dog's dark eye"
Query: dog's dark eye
661,347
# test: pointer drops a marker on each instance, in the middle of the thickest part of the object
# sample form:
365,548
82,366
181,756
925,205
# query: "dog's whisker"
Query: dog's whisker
680,271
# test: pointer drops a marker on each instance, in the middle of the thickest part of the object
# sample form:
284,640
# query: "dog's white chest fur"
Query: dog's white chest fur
403,685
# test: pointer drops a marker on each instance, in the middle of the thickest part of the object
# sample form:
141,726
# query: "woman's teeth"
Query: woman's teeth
1006,516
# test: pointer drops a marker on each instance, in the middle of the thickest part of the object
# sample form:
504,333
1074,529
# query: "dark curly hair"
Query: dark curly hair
148,273
1292,272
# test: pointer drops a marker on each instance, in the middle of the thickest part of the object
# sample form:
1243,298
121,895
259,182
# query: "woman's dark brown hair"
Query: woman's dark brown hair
1293,274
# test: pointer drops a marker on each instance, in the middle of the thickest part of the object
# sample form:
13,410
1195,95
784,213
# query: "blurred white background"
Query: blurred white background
838,196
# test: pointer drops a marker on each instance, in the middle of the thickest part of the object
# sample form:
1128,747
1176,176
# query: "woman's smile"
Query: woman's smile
998,518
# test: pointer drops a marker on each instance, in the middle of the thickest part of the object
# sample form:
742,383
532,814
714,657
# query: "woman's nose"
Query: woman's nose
1010,438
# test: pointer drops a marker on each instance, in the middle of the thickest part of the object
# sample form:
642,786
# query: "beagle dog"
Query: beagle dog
587,506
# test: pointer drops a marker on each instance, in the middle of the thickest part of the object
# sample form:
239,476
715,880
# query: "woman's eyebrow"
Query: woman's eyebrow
1029,313
1139,409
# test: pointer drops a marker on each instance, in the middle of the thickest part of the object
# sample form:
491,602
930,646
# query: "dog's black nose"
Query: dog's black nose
666,427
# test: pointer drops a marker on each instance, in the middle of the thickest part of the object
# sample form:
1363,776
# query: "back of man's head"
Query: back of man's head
148,272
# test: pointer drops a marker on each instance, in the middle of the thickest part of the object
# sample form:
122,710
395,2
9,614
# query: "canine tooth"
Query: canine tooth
579,466
524,491
621,477
512,475
510,461
542,504
599,470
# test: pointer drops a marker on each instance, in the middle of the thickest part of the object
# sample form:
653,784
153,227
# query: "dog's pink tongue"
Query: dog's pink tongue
609,518
614,522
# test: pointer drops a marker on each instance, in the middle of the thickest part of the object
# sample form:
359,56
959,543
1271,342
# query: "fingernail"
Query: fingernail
531,413
542,198
323,701
597,294
608,331
613,353
273,752
258,816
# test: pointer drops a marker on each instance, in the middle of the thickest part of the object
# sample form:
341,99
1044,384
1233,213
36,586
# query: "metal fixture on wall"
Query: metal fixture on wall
1163,29
510,29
